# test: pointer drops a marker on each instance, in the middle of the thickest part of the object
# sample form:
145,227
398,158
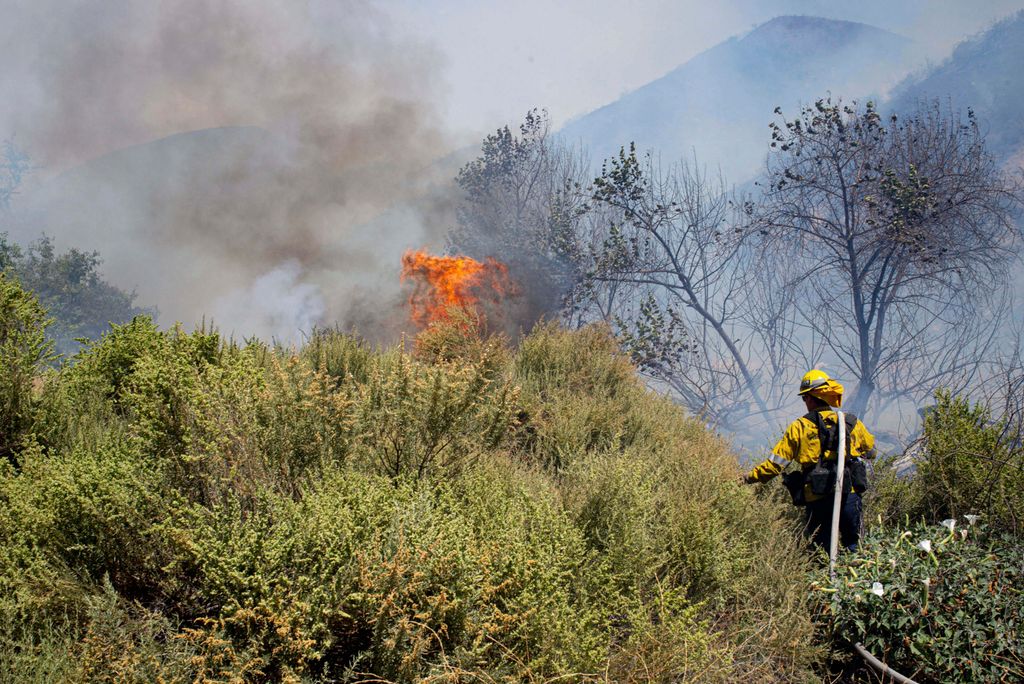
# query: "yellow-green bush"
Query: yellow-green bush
970,462
195,510
23,352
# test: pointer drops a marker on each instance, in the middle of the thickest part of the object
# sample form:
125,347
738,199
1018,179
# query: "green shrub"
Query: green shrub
103,367
125,642
24,352
969,462
415,418
117,642
191,510
668,517
937,603
343,357
399,581
42,655
235,425
579,393
89,515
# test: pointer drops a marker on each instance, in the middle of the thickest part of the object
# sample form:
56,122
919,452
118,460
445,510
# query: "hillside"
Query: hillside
719,103
984,74
180,508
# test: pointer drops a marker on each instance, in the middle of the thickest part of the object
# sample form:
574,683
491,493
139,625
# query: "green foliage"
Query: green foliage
938,603
72,290
971,465
415,417
520,200
343,357
103,371
23,352
579,393
93,510
188,509
969,462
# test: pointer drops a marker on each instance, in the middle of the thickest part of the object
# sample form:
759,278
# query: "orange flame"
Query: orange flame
443,283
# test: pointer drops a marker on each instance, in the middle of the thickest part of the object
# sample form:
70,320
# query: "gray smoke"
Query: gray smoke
264,164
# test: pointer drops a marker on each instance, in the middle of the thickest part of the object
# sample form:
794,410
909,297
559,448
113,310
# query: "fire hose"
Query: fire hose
880,666
833,549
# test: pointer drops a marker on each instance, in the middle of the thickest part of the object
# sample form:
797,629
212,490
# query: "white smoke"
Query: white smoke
277,305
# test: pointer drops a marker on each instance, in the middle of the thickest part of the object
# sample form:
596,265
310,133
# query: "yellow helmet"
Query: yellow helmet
818,384
812,380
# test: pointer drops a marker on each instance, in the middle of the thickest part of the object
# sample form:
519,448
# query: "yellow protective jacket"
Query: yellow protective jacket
801,444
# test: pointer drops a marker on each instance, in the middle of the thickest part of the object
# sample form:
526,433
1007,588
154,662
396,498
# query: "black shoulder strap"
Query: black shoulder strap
823,433
825,436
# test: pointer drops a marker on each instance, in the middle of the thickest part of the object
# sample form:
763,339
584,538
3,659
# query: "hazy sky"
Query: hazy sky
501,58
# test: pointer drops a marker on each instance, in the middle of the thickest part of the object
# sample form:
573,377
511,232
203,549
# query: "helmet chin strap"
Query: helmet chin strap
837,503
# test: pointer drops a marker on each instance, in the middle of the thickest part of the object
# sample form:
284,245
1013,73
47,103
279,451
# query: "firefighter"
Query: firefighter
811,443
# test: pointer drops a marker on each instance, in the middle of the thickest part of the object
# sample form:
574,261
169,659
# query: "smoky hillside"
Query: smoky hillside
275,183
180,507
227,161
297,386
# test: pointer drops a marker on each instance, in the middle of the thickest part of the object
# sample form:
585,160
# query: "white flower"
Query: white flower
877,589
971,518
963,534
925,545
927,582
949,523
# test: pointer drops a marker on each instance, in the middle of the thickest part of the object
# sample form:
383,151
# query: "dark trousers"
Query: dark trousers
819,521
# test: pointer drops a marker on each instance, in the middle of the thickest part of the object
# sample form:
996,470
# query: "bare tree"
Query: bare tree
894,238
662,265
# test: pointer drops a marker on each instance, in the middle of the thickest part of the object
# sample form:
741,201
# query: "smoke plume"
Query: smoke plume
264,163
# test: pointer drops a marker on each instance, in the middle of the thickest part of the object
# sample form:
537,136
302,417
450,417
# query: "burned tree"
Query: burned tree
662,264
894,236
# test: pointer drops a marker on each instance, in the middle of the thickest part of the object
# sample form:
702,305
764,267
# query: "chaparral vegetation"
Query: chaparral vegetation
177,507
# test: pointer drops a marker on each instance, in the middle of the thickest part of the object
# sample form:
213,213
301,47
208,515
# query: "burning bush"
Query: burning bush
443,283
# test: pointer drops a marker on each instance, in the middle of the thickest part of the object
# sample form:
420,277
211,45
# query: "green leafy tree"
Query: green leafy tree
71,288
520,198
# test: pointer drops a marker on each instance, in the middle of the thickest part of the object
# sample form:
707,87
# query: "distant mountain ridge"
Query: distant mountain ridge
985,73
718,104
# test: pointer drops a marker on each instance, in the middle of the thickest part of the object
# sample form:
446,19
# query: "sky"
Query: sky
499,59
